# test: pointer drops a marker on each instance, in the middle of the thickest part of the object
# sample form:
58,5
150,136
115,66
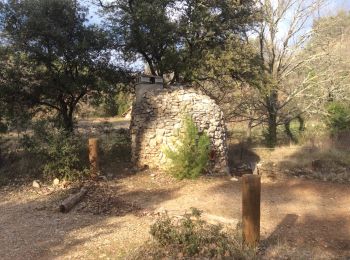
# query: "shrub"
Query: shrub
116,146
63,157
190,155
123,102
190,236
3,129
117,105
112,104
338,117
109,107
59,150
315,130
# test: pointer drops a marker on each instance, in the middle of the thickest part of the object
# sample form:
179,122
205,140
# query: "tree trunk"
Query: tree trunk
272,108
66,116
289,132
0,156
301,123
249,132
272,130
67,121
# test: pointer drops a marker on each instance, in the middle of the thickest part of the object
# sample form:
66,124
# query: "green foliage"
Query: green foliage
3,128
338,117
191,236
108,105
147,28
58,149
116,146
54,57
270,137
113,103
123,102
190,155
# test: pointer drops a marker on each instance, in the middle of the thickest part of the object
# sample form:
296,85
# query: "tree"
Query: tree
178,36
55,58
279,38
327,55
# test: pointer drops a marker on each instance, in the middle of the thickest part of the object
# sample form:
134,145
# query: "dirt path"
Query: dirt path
297,214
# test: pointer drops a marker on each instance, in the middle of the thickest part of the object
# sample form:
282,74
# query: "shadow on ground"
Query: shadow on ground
309,236
297,216
35,229
241,159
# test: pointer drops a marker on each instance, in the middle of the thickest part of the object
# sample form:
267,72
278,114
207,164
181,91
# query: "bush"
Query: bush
123,102
109,107
190,155
116,146
59,150
190,236
3,129
338,117
112,104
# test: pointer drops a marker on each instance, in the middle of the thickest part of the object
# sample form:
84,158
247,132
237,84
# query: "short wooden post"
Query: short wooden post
93,156
251,190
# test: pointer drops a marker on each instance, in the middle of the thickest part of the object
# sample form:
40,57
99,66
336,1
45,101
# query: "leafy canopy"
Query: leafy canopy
176,36
55,58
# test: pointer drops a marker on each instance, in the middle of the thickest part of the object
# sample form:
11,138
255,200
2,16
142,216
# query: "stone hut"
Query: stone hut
157,116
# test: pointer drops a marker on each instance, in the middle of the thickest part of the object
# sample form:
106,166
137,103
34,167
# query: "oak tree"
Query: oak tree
55,57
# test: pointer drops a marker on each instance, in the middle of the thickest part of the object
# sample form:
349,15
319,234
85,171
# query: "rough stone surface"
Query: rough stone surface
158,117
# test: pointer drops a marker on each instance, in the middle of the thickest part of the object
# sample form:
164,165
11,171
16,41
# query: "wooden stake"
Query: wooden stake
93,156
251,190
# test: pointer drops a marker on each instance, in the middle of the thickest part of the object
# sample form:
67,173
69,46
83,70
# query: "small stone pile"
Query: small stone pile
158,117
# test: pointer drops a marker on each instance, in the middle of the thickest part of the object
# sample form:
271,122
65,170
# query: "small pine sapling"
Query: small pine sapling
190,155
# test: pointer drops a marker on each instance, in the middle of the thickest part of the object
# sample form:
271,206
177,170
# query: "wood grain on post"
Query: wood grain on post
251,190
93,156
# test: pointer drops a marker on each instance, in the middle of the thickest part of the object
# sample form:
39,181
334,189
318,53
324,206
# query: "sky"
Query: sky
336,5
331,8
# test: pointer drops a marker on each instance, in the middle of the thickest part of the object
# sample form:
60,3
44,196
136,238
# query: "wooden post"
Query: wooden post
251,190
93,156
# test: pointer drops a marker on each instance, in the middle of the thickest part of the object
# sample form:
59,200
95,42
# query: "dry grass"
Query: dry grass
284,250
317,156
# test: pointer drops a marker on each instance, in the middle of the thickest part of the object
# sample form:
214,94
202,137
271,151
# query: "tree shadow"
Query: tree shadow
35,229
32,233
298,215
327,164
242,159
118,202
309,235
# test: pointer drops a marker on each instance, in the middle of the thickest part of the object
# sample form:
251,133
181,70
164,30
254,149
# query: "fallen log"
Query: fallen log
72,200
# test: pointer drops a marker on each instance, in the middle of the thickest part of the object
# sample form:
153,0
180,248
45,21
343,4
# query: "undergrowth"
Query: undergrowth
47,152
190,237
58,150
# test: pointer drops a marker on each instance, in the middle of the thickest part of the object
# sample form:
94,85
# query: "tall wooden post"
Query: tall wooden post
251,190
93,156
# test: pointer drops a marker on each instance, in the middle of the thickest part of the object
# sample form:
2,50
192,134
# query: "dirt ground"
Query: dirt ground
305,216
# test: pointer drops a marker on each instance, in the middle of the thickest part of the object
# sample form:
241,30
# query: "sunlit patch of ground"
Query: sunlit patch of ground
297,214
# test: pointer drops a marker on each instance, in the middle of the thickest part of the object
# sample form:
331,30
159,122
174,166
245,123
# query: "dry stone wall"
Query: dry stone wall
157,118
